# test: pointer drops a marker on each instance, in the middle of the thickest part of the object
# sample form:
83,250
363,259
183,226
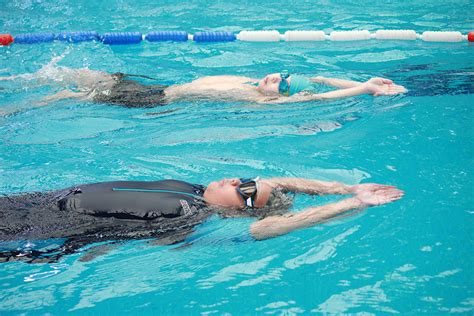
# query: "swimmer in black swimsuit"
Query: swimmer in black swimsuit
123,89
167,210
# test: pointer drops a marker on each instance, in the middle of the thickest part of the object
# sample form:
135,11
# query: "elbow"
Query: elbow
264,229
259,232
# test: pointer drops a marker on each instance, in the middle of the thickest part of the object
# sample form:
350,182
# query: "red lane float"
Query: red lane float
470,36
6,39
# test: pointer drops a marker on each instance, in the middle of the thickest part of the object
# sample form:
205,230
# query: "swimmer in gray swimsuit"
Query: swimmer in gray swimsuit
166,210
129,93
123,89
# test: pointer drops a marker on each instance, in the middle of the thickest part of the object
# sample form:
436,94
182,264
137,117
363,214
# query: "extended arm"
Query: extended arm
341,93
279,225
334,82
374,86
310,186
366,195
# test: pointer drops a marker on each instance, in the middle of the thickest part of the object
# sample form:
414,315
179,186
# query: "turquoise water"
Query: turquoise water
413,256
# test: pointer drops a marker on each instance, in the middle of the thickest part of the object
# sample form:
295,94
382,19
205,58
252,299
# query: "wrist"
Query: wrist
357,203
365,87
349,189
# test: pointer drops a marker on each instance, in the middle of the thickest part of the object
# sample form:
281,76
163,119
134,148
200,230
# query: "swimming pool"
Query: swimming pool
413,256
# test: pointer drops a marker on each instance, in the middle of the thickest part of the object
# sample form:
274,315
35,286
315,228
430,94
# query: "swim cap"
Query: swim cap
298,84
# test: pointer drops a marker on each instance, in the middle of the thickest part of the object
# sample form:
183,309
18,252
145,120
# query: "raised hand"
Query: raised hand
382,86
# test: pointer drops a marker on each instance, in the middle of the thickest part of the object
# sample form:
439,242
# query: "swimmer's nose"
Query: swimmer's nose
235,182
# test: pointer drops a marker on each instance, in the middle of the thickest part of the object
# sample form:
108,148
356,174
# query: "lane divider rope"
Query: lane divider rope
120,38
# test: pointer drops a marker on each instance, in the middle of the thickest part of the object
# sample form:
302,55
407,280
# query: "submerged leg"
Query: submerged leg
82,79
97,251
51,74
8,78
42,256
61,95
173,237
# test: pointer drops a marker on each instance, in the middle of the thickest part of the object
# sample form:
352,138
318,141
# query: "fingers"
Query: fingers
393,195
387,87
380,80
397,88
380,187
387,186
390,190
393,89
389,195
378,194
376,185
372,187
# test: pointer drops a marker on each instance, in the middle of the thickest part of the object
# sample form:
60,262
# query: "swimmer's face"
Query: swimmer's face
269,85
223,193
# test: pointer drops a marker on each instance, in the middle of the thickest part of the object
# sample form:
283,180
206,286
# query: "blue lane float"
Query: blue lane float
33,38
160,36
214,37
75,37
120,38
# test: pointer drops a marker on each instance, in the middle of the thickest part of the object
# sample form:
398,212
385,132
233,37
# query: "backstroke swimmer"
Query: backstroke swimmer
121,89
167,210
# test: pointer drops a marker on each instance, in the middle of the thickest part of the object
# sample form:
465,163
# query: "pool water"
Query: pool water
413,256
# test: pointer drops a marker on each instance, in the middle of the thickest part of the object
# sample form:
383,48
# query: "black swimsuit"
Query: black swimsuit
106,211
131,94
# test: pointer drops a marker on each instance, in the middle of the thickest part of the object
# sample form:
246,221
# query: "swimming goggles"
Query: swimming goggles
247,189
284,87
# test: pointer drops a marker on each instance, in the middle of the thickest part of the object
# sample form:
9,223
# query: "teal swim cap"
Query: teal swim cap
298,84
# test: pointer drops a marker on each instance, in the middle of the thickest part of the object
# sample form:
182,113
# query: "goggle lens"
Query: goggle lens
284,87
248,191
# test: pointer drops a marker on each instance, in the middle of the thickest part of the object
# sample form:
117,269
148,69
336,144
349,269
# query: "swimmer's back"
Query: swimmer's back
136,199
